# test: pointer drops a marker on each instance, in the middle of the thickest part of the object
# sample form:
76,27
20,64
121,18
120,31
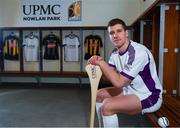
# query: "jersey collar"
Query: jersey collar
126,49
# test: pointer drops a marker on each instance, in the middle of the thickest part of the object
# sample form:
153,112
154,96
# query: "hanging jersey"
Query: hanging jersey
11,47
51,49
31,48
93,44
137,64
71,49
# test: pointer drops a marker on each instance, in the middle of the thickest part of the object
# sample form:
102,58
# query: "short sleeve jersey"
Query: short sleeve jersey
137,64
11,47
71,50
51,47
31,48
93,44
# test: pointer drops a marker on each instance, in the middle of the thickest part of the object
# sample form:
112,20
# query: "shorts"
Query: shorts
154,107
150,104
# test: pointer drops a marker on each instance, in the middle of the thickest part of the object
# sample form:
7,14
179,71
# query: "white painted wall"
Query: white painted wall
145,4
94,12
99,12
9,13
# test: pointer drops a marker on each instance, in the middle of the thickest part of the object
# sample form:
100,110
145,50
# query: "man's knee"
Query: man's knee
106,108
99,98
100,95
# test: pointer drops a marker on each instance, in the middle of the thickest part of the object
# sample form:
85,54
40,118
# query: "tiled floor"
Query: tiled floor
52,107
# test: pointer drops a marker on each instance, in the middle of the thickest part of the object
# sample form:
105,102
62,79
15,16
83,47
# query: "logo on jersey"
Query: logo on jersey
127,67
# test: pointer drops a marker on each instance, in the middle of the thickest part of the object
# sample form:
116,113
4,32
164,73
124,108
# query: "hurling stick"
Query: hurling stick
94,72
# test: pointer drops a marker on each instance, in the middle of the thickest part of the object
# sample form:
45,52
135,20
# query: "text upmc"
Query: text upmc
41,9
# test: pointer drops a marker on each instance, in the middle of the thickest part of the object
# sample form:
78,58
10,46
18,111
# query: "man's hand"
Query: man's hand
95,60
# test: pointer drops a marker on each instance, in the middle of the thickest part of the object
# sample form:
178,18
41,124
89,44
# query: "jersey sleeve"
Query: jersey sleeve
24,41
111,61
44,42
78,41
64,41
58,40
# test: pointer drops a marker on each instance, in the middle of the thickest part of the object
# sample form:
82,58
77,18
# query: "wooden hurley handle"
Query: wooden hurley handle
94,72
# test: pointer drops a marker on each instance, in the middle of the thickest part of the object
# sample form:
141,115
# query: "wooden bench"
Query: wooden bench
170,109
39,75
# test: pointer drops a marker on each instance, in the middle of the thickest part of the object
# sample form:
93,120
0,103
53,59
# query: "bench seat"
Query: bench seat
170,109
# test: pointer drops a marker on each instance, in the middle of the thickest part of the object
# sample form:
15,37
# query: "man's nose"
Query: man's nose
114,35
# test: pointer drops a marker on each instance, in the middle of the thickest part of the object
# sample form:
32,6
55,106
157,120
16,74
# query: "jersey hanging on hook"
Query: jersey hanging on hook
31,47
11,47
51,43
71,45
93,45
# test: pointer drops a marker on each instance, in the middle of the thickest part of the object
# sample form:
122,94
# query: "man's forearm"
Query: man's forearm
110,74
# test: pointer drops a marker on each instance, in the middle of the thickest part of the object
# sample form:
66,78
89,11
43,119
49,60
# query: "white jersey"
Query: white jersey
137,64
31,48
71,51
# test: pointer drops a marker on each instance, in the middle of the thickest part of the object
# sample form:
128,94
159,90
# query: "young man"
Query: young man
132,71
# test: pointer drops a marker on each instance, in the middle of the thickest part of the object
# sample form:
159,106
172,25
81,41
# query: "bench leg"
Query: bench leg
80,81
38,79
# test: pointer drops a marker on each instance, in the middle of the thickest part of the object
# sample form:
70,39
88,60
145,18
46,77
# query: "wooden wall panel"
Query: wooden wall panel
147,34
155,36
136,32
170,42
178,45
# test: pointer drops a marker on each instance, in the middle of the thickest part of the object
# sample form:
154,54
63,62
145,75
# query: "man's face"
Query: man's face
118,35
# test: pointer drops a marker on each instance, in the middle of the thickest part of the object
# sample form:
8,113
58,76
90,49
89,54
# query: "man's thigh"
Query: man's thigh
107,92
125,104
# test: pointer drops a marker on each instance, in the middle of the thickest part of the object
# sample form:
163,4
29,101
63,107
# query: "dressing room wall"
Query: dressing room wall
94,12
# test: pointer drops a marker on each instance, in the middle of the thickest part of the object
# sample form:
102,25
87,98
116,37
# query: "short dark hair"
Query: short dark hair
117,21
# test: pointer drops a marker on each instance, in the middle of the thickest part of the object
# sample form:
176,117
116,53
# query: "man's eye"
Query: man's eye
111,33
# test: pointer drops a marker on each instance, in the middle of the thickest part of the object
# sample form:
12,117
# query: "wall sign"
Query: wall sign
50,13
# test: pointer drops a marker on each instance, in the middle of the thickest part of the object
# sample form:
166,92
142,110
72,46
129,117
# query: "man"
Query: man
131,70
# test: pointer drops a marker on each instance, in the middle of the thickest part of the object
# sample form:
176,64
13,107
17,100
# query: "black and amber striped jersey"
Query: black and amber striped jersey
51,49
93,44
11,47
